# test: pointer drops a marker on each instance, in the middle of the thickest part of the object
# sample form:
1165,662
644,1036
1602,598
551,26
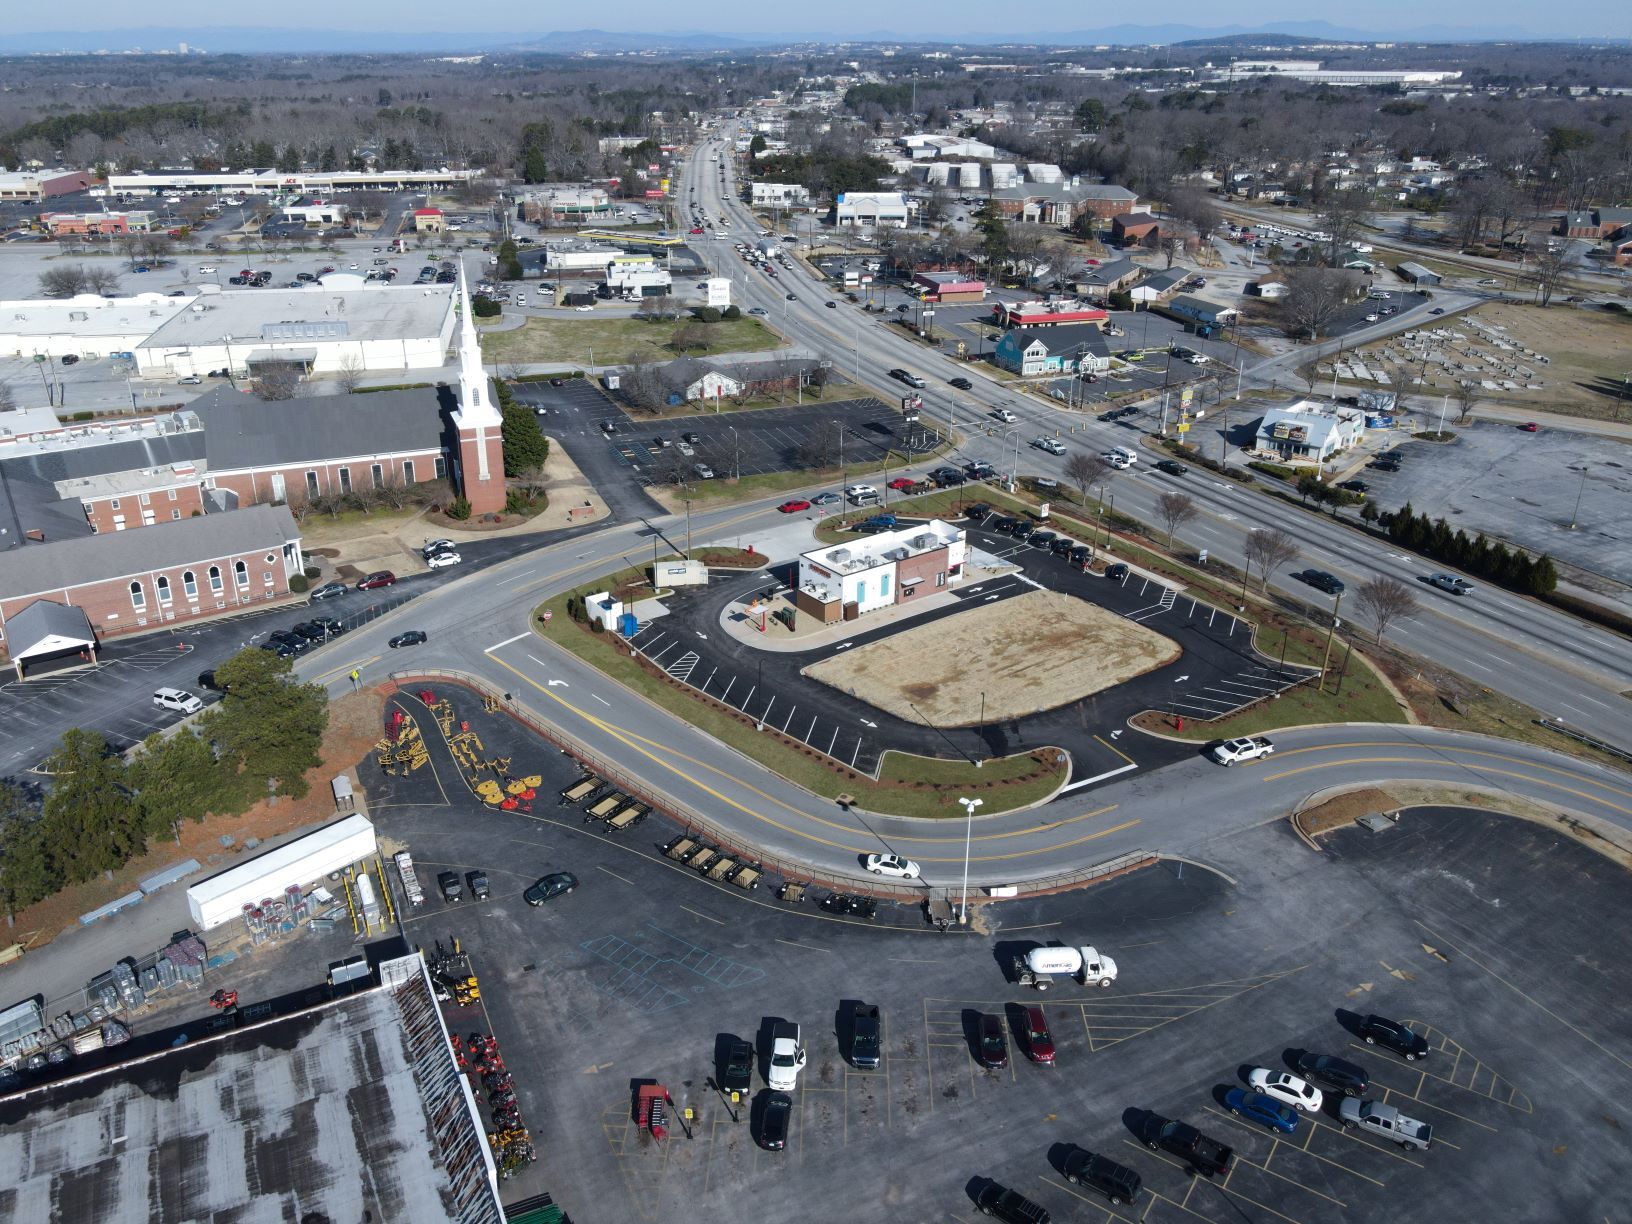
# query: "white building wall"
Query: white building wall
871,589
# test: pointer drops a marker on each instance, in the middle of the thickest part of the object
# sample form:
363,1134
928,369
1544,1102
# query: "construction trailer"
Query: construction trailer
300,862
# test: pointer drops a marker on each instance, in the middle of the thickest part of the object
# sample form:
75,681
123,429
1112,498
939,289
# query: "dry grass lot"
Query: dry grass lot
1031,653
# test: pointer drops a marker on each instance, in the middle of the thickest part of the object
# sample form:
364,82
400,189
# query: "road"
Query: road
1516,646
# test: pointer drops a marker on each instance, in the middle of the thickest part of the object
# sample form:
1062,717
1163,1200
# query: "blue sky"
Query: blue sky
944,19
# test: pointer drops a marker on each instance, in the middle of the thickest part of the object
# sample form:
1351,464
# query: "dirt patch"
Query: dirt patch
1035,652
354,726
1344,810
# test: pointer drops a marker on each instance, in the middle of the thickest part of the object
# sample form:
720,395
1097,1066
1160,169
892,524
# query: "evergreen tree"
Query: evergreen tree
268,727
90,823
1543,576
175,779
1459,548
26,871
525,446
262,154
1498,561
533,167
1399,522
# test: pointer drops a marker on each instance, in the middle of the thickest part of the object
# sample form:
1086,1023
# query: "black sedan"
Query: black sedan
1332,1072
1355,486
994,1044
414,637
1171,467
557,884
774,1117
1322,581
962,384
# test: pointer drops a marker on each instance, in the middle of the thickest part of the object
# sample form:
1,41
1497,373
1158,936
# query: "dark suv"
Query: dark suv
1010,1206
1116,1182
1392,1035
1333,1072
1322,581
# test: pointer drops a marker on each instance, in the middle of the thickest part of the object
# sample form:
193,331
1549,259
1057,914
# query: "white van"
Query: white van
1120,457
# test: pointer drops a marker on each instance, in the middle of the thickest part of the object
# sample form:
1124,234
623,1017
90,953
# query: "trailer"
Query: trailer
681,848
410,881
605,806
723,866
628,817
581,789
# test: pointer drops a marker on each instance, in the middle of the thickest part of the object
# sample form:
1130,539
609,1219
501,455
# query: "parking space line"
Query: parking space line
1277,1141
613,874
705,917
807,947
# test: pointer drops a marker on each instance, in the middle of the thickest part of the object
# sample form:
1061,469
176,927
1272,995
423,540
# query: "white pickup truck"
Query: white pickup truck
1386,1121
1248,749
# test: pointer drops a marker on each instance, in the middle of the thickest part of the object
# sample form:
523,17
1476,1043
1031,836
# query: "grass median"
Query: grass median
616,340
907,785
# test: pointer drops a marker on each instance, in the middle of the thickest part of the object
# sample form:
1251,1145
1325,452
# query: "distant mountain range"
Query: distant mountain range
248,40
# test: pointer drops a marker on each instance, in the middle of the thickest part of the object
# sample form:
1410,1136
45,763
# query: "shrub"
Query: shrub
81,416
298,584
707,314
486,308
458,509
731,312
311,571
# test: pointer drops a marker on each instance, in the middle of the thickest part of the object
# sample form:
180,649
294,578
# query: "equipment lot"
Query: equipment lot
647,969
1520,487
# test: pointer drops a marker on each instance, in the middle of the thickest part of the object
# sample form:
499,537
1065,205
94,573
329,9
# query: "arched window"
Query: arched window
189,584
163,584
240,574
138,597
215,579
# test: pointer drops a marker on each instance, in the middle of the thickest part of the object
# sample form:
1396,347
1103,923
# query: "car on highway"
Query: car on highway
1264,1110
961,383
328,591
443,559
1004,415
1052,445
177,699
1335,1073
1394,1035
414,637
994,1045
757,310
831,304
1171,466
1035,1037
1286,1088
787,1056
1529,427
774,1115
824,499
1451,583
556,884
376,580
892,865
1437,310
794,506
1322,581
792,297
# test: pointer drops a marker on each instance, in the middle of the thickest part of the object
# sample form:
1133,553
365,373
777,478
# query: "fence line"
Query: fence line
725,839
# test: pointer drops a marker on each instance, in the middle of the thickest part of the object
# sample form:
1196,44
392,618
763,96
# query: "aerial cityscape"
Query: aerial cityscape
773,615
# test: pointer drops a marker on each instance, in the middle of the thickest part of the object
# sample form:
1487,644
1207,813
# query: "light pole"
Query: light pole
1579,490
736,453
1330,630
969,806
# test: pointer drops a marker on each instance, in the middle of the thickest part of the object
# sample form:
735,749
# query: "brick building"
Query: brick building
1135,229
144,579
844,581
103,223
35,186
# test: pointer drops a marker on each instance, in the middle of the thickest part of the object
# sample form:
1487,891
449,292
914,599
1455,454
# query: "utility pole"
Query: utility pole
969,806
1331,629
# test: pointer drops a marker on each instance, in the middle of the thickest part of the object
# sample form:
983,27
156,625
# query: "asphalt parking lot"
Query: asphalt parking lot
1520,487
646,968
1218,670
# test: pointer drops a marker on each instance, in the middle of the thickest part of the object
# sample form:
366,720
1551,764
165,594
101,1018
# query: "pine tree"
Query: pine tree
91,824
1543,576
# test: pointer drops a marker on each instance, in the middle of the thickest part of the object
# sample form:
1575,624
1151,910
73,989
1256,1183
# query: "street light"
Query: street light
736,453
1580,489
969,806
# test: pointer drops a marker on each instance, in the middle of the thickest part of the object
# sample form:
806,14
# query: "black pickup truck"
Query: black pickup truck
864,1036
1204,1155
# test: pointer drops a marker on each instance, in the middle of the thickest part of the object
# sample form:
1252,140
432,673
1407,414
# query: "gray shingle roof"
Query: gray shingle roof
241,431
45,618
40,569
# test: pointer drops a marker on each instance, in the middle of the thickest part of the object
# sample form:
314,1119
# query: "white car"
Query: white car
892,865
1248,749
861,490
442,560
1286,1088
583,309
787,1057
1004,415
206,270
177,699
1052,445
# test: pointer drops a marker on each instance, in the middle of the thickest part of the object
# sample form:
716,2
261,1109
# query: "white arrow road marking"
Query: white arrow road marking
557,684
868,723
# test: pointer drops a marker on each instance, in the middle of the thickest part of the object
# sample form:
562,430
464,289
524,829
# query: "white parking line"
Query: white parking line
506,642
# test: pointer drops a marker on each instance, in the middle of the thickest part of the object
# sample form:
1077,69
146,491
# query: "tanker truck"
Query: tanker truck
1038,967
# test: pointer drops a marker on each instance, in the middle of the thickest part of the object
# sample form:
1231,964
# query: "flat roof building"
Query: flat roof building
872,209
351,1109
34,186
847,580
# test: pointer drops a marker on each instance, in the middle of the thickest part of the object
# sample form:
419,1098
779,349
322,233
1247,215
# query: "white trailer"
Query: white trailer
410,881
221,898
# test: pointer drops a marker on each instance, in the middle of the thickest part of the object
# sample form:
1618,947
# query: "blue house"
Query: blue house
1054,350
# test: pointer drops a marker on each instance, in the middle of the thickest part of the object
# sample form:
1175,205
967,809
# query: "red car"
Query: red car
1039,1044
696,229
379,578
1529,427
902,482
794,506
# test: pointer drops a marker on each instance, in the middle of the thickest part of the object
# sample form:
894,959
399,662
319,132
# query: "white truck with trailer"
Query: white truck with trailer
1087,965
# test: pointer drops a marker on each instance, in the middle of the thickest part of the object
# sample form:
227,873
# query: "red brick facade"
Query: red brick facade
924,574
165,504
112,604
293,485
485,496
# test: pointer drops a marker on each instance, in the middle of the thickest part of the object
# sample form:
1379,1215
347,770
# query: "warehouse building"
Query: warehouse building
266,181
349,1108
36,186
872,209
1417,274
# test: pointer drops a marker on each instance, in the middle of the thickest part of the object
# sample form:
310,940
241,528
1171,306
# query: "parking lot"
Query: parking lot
1525,488
1217,672
647,970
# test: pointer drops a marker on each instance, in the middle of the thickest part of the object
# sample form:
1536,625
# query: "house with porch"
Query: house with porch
1054,350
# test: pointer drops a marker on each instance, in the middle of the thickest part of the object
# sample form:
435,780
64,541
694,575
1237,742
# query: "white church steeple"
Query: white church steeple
476,407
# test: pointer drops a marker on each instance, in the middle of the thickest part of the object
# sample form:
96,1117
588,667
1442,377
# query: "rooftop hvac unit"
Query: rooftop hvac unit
839,556
924,541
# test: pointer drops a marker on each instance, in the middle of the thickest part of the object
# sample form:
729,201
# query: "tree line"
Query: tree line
1510,567
101,809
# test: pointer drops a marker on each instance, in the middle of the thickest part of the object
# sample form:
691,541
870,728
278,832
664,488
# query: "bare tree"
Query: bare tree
819,450
65,281
690,336
102,280
1313,298
1175,510
8,397
1383,601
1171,243
1087,470
1466,394
640,385
350,373
1269,549
1551,266
278,381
